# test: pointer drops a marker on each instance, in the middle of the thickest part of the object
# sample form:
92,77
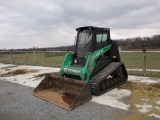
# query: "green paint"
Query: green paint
83,72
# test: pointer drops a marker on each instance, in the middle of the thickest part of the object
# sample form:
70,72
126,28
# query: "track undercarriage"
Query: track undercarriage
110,77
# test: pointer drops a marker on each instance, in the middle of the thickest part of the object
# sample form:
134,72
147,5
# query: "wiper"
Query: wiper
87,43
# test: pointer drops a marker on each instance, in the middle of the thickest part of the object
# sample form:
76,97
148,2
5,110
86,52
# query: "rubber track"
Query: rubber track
103,74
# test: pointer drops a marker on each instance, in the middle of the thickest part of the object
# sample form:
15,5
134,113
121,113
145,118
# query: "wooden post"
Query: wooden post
144,62
34,55
26,57
44,57
119,50
11,56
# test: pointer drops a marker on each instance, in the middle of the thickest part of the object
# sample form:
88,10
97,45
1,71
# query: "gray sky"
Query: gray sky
51,23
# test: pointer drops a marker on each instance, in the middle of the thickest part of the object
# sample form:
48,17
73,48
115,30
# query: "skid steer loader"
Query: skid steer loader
93,68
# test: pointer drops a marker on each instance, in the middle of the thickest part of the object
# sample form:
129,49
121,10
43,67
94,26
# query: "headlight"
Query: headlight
75,61
86,55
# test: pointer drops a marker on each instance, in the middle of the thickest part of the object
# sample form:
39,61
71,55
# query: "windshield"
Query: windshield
85,37
84,43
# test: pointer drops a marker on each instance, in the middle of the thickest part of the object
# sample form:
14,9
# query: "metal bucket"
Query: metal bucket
64,92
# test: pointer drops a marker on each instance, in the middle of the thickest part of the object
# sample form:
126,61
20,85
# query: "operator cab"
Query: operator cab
90,39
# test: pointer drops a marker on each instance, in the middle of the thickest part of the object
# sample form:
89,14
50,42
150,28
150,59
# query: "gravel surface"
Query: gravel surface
18,103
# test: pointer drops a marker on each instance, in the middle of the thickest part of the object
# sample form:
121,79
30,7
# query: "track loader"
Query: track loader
93,68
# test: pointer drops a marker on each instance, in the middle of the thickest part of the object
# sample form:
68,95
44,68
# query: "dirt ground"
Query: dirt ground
143,99
18,72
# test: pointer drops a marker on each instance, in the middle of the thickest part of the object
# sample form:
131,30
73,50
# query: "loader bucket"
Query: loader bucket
64,92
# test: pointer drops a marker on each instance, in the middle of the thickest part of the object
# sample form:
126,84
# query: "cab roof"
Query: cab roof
91,27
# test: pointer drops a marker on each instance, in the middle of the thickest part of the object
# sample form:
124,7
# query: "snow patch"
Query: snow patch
113,98
150,70
155,115
145,100
144,108
146,80
158,108
158,102
28,79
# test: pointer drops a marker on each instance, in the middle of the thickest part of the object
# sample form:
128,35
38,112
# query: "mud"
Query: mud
68,97
18,72
42,75
8,67
143,99
45,74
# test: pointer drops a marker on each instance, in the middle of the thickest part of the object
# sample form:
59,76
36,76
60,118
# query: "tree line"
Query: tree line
140,43
152,42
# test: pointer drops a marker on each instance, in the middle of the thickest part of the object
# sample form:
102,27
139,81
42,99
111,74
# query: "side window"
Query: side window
100,38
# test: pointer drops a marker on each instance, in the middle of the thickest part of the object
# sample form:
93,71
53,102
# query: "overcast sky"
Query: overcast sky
51,23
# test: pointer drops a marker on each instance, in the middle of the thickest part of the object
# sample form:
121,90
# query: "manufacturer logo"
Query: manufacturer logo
66,70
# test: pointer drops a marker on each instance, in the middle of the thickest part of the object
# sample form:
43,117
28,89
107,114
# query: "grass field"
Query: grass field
130,59
33,59
148,73
135,59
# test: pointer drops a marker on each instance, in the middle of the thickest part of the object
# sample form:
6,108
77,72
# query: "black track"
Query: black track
110,77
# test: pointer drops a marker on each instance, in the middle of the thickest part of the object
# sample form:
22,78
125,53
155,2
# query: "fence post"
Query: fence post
119,50
11,56
34,54
144,62
44,57
26,57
